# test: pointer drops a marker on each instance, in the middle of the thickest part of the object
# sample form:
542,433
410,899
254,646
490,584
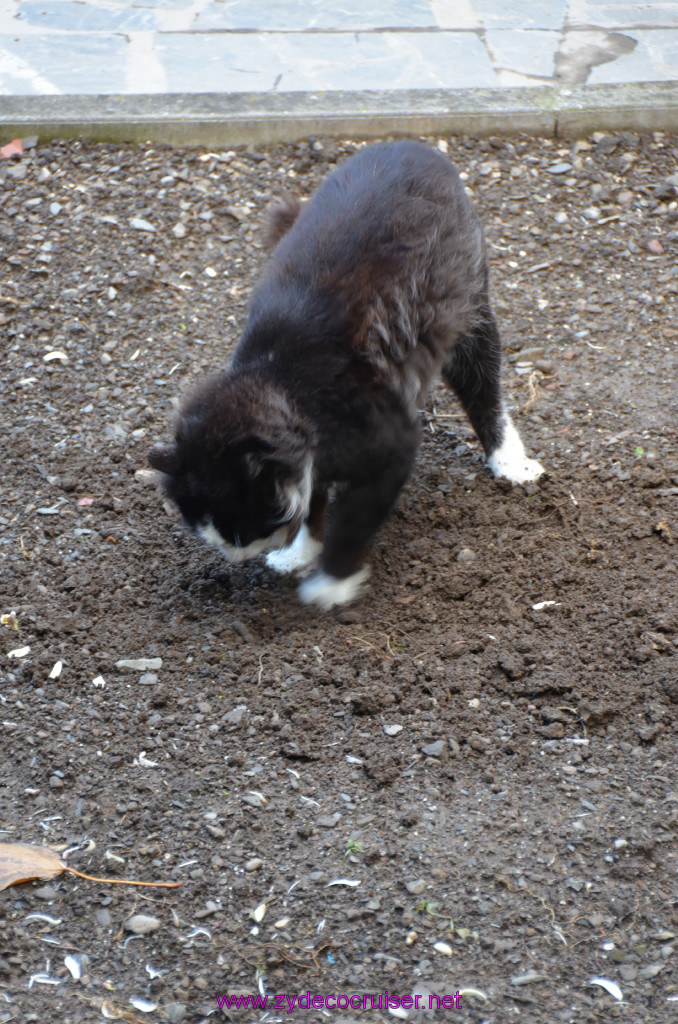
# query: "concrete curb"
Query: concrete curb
209,119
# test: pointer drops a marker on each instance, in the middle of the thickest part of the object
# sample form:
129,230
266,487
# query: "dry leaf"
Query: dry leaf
19,863
22,863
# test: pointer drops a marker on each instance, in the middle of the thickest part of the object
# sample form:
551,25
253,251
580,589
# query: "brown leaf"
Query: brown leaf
23,863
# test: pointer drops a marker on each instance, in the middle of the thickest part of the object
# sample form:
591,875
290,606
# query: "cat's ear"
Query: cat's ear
165,458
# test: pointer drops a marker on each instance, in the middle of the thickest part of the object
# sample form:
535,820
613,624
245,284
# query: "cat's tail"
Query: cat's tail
279,218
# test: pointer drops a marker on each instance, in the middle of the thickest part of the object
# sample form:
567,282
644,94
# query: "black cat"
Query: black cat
375,287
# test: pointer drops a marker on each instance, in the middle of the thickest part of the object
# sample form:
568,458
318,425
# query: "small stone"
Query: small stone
327,821
392,730
148,679
175,1012
561,168
103,917
628,972
466,555
592,213
141,924
434,749
527,979
655,247
238,213
651,971
478,743
139,664
139,224
56,783
416,887
216,831
254,864
453,746
235,716
179,230
554,731
55,208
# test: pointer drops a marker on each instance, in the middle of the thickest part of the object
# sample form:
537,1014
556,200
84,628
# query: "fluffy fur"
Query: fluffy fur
374,288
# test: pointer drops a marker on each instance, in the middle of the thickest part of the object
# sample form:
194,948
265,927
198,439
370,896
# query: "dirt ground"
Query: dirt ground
466,783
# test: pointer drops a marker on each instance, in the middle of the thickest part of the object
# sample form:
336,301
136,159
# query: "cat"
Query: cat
375,287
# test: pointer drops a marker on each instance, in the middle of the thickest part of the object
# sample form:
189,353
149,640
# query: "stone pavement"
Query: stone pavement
286,68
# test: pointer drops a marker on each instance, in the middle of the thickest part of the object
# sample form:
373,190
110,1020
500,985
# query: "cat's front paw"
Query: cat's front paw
300,554
327,591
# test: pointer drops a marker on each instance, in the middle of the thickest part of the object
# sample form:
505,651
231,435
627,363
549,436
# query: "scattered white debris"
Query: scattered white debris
540,605
143,1005
258,913
49,357
43,979
398,1012
47,918
442,947
56,671
74,968
19,652
282,922
99,682
609,986
393,730
210,272
352,882
145,762
473,992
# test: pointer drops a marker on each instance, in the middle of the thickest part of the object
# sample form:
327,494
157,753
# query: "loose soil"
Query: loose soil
467,782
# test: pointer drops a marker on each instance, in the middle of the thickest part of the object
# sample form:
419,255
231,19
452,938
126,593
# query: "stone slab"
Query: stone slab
254,118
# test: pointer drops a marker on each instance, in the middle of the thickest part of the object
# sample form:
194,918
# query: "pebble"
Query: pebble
179,230
592,213
559,168
478,743
527,979
139,664
175,1012
651,971
328,821
628,972
103,917
141,924
655,247
435,749
55,208
148,679
454,747
139,224
235,716
466,555
254,864
416,887
56,783
392,730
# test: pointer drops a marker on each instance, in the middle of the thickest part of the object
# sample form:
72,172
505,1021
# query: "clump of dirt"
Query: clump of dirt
466,783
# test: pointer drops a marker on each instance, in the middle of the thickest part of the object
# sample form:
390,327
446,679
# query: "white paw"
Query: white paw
519,471
327,591
302,552
510,460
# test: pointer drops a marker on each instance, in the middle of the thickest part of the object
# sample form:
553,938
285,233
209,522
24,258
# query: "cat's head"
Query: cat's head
240,466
